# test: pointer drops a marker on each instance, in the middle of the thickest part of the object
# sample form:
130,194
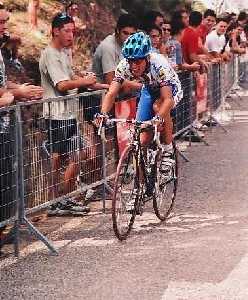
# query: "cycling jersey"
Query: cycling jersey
159,74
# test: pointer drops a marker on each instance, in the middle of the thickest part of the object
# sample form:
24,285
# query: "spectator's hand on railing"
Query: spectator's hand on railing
215,60
31,92
6,99
226,56
195,66
204,66
89,79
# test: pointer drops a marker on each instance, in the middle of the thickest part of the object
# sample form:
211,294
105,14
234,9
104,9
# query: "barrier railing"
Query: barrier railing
8,171
51,156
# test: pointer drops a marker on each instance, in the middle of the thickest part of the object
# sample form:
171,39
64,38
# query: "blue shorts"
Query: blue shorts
146,100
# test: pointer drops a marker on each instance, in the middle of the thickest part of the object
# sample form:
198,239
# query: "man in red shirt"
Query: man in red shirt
207,24
191,42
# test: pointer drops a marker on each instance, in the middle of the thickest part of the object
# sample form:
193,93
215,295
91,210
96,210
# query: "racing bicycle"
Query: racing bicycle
139,178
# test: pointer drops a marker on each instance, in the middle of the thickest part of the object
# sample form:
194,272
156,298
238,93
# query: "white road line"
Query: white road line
234,287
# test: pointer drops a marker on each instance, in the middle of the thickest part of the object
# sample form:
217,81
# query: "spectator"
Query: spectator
235,43
57,79
191,45
233,17
72,10
33,8
166,29
175,56
9,45
152,17
246,34
207,24
242,20
181,16
18,92
108,53
155,18
216,42
155,34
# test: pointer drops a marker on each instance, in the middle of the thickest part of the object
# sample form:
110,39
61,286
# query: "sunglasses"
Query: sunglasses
136,61
166,29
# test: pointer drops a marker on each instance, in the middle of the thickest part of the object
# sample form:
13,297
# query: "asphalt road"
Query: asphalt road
201,253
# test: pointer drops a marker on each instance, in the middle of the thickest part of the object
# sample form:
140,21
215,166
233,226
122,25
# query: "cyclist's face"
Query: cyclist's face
137,66
124,33
4,17
65,35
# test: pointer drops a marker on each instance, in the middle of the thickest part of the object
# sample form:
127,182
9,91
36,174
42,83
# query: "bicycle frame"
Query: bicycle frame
145,164
135,141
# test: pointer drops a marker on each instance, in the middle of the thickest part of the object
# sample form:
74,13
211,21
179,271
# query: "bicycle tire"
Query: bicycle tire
165,193
125,182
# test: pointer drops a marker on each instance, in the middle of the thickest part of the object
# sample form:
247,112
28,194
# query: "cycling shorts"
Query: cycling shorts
146,100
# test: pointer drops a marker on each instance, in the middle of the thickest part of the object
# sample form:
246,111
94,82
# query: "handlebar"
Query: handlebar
149,123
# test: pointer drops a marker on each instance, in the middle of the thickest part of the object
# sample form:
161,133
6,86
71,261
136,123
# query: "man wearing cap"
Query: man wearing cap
58,79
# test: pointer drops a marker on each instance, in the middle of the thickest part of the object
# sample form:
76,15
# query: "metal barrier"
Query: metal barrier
50,157
8,172
185,111
62,156
214,88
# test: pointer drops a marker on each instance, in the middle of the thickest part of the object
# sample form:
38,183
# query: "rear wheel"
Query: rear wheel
125,190
165,188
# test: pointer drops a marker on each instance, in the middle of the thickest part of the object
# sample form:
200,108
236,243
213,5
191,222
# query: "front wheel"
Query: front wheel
125,191
165,187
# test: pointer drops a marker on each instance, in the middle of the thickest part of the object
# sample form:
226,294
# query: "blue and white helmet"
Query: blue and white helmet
137,45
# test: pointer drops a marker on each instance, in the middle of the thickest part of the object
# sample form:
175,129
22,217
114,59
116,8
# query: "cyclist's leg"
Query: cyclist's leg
167,131
145,112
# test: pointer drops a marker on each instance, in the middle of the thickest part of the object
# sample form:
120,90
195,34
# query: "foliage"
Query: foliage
139,7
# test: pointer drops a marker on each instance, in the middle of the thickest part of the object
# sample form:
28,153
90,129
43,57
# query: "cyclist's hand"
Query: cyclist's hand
159,122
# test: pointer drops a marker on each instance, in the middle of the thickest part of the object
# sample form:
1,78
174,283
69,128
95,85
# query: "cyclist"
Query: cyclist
160,88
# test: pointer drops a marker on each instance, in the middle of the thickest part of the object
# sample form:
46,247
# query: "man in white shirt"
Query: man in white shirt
216,41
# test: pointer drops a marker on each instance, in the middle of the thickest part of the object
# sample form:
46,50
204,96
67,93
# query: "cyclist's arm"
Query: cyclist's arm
129,86
167,102
109,99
